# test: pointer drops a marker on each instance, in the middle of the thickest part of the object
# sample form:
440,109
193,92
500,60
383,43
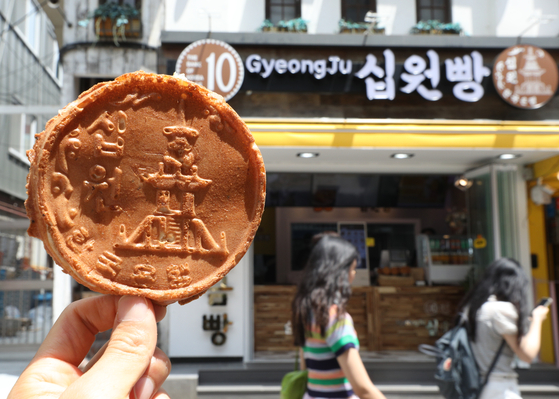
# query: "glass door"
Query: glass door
507,206
493,214
479,199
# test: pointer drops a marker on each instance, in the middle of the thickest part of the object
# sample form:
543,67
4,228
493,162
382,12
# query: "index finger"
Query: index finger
74,332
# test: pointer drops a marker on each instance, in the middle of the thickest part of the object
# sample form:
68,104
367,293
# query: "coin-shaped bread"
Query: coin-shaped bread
147,185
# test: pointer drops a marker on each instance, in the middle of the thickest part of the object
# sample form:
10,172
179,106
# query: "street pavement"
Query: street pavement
237,380
6,383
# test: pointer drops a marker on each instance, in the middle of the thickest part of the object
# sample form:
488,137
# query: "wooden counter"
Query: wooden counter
385,318
272,311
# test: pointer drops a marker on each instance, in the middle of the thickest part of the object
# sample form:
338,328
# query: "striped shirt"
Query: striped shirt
326,379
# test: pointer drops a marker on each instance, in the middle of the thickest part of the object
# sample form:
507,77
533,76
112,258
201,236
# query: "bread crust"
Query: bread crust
148,185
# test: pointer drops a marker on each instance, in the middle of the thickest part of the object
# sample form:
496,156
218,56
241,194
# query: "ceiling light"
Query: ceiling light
401,156
509,156
308,154
462,183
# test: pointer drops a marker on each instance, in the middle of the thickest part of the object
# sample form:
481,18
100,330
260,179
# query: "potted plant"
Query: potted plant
359,27
115,20
266,26
282,26
435,27
452,29
352,27
292,25
298,25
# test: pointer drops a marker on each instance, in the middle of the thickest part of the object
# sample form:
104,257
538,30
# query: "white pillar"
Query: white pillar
61,292
248,303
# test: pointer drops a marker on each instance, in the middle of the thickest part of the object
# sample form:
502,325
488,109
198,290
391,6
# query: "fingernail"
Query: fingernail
132,308
144,388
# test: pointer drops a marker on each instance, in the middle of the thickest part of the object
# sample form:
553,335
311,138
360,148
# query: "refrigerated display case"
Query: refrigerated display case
446,259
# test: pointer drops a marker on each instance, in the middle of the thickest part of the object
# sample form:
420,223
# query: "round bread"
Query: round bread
147,185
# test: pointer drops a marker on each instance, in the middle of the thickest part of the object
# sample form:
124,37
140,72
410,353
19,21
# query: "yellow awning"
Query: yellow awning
405,134
548,168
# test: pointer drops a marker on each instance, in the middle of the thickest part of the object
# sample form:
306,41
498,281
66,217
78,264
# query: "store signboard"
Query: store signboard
419,75
525,76
317,68
423,74
213,64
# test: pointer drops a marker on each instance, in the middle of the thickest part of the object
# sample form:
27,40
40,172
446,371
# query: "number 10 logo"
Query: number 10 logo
213,64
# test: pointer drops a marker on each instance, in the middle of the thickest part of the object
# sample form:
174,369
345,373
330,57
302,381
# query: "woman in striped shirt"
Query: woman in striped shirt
324,329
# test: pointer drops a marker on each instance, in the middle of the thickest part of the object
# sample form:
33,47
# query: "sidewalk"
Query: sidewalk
12,364
6,384
261,379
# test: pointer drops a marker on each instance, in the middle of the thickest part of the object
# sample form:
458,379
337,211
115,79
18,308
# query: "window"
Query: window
28,133
282,10
27,20
54,56
27,125
33,20
355,10
18,14
48,49
433,9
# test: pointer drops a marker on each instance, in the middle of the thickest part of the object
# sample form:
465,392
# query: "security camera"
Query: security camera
541,194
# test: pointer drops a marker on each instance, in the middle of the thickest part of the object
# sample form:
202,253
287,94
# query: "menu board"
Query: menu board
356,233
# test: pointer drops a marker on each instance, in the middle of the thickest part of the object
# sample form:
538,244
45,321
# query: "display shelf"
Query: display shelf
446,259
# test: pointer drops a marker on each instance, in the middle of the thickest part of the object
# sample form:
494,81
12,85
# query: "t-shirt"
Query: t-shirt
326,379
494,319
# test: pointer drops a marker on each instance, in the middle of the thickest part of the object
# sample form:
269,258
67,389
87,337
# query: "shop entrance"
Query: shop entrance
396,304
426,238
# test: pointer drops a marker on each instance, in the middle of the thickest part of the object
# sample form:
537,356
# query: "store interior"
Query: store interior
390,210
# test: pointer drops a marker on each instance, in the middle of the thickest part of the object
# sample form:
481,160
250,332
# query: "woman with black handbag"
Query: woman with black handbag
497,308
323,328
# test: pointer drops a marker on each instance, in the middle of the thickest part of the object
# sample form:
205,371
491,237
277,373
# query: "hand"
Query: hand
128,366
540,313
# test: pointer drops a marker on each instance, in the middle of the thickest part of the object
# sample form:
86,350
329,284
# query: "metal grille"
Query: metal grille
25,291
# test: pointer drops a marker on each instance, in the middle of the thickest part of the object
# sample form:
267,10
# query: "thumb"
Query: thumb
127,356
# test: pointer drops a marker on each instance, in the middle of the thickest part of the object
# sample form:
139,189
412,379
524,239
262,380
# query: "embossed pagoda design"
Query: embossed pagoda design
532,73
168,229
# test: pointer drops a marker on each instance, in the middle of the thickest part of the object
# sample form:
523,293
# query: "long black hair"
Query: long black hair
505,279
325,283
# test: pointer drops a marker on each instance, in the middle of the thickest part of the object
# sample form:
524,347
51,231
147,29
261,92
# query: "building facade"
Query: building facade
30,92
31,79
319,79
477,18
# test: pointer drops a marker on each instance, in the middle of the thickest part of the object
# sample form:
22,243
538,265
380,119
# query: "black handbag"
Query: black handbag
457,374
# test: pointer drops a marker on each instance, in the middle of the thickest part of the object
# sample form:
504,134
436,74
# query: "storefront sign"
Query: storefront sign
466,73
213,64
317,68
525,76
214,323
480,242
